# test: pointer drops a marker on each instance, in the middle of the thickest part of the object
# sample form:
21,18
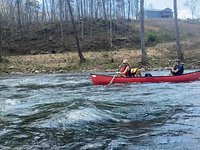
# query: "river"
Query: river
67,112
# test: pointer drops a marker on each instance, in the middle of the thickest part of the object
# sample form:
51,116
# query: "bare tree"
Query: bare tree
91,8
136,9
82,25
82,59
61,21
178,45
44,18
18,2
192,5
78,9
0,38
129,8
53,12
111,45
104,9
47,9
144,56
36,10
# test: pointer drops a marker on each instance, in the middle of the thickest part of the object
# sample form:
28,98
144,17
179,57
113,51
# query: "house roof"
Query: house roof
159,10
152,10
167,9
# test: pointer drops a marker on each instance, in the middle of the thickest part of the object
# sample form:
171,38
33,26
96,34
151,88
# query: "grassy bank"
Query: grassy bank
159,57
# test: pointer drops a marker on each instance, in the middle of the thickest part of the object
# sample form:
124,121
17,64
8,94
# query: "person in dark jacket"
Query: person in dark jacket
178,68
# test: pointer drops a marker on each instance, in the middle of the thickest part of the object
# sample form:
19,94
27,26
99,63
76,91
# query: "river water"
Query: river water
65,111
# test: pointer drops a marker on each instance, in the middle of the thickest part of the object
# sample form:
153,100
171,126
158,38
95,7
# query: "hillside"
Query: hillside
32,52
93,35
37,39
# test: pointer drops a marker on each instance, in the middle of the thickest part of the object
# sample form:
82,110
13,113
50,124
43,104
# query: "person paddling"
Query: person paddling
125,69
178,68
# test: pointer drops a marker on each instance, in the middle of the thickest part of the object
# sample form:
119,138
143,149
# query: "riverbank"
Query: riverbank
100,61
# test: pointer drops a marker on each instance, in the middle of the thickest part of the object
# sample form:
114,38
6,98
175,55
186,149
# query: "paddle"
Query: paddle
111,81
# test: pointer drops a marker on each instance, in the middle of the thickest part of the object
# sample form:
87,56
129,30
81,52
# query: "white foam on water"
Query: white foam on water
85,115
91,146
77,117
8,105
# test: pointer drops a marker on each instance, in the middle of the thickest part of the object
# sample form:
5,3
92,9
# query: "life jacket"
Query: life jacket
135,72
128,73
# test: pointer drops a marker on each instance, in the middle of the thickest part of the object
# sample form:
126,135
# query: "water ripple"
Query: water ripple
65,111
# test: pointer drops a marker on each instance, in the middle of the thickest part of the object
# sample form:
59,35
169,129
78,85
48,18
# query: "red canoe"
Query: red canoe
98,79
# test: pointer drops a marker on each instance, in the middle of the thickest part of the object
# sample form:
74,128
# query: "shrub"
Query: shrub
152,37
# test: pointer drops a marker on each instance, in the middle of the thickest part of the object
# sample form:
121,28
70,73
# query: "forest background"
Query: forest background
44,36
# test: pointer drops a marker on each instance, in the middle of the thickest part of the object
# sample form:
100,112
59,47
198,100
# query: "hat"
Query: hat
125,61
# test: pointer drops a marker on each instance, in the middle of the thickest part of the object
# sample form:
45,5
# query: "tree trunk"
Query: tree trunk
104,9
78,9
44,18
136,9
61,21
19,16
111,45
52,10
85,11
91,9
0,38
178,45
47,9
144,56
82,59
129,9
96,9
82,17
124,10
36,13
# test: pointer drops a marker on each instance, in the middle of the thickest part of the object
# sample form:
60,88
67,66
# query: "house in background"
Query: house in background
154,13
